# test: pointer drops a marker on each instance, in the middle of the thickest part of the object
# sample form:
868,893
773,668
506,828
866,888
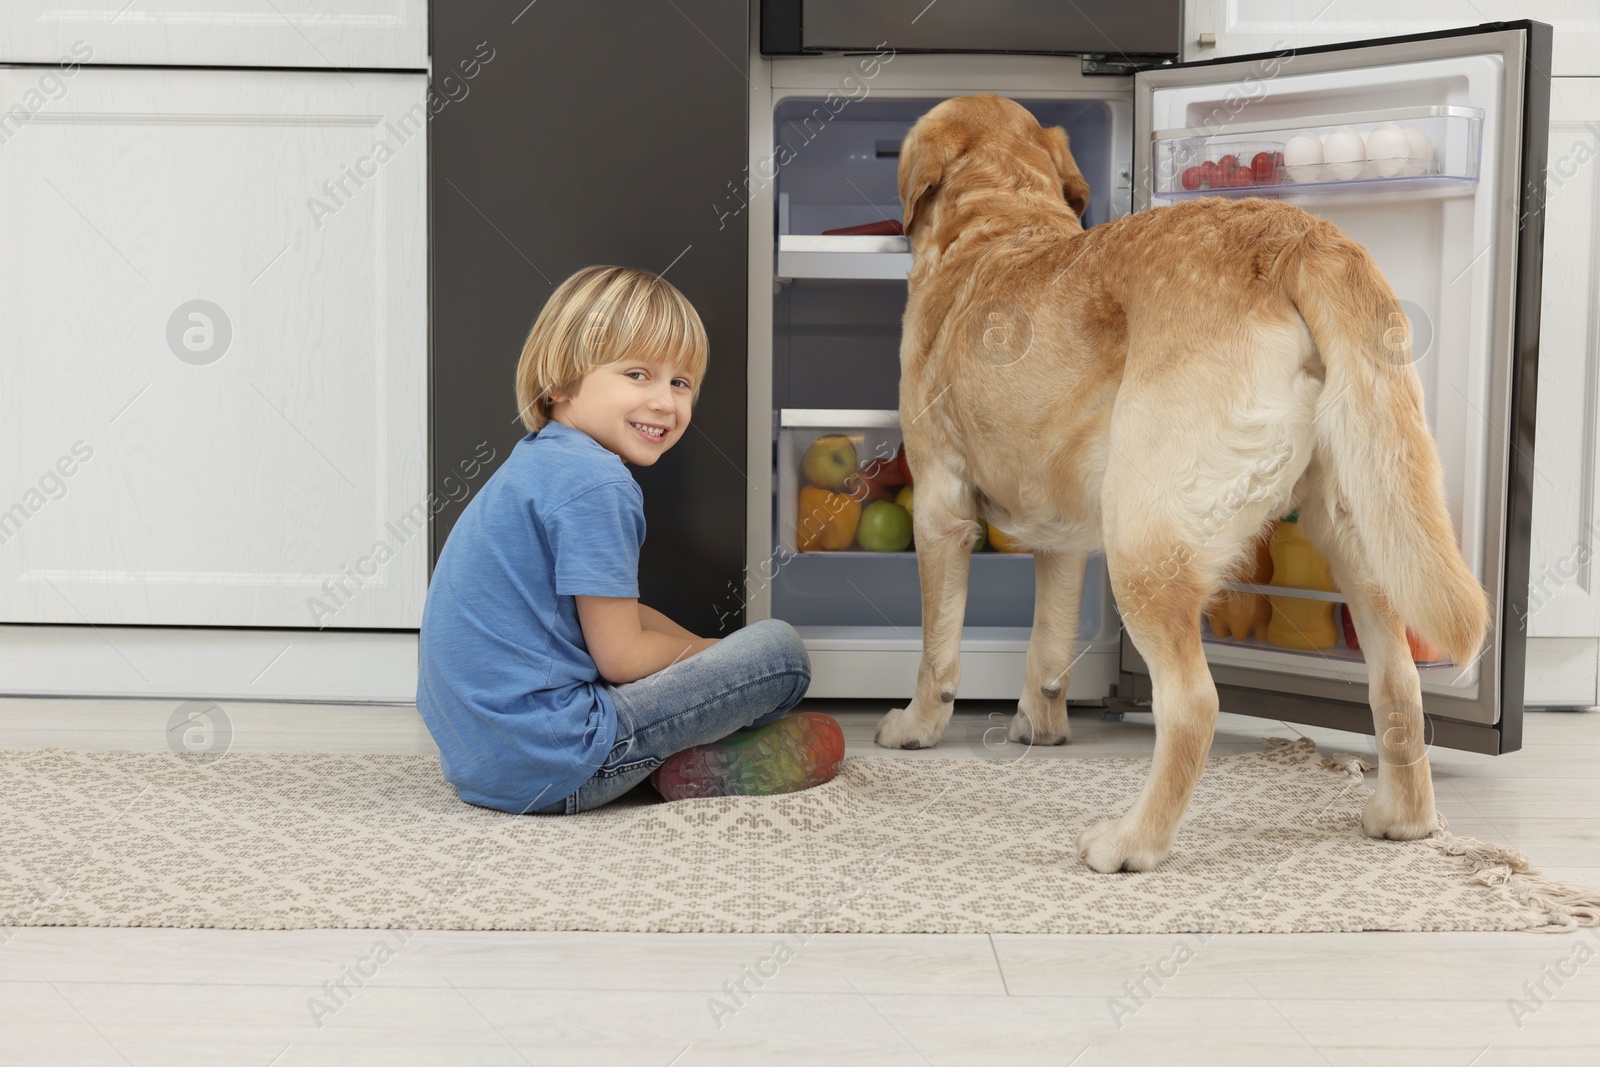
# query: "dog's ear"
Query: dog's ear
1073,188
922,161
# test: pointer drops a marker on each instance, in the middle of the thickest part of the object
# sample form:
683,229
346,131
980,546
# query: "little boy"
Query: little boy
548,687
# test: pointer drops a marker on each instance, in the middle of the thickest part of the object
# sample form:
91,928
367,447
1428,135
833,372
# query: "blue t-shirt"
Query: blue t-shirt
505,682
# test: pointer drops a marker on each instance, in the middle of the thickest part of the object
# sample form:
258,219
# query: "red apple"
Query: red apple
905,468
1421,651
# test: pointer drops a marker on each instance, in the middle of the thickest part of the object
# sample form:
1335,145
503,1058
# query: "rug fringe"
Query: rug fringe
1350,763
1564,906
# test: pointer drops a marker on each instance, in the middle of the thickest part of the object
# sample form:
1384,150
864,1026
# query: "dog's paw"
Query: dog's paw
1021,730
904,728
1109,847
1388,816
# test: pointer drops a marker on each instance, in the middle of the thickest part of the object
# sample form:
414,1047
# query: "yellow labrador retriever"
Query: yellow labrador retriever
1160,387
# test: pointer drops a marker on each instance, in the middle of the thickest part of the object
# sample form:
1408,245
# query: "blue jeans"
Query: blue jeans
750,678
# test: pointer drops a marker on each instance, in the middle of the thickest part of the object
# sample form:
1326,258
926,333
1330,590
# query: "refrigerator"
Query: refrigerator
1449,205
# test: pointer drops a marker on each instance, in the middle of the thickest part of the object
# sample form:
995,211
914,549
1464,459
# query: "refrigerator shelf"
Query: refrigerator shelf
1284,591
1337,653
839,418
1429,150
804,255
1432,186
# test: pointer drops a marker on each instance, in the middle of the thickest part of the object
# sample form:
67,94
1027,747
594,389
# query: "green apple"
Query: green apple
884,527
829,462
907,495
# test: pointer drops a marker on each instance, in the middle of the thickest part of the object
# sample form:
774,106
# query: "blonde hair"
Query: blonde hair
598,316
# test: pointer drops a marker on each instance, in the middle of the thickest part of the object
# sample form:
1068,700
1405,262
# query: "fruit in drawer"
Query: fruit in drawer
829,462
889,471
904,467
905,497
827,521
885,527
877,479
1421,651
1002,541
865,489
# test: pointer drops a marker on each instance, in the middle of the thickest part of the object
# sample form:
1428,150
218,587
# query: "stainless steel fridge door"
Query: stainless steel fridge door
1370,79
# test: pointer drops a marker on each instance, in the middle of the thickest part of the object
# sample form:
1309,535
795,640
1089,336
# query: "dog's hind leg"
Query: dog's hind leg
945,521
1041,717
1402,805
1160,589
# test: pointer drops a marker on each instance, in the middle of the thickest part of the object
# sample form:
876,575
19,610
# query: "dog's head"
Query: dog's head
984,144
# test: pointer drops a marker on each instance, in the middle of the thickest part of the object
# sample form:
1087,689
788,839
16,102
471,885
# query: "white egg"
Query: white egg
1344,152
1419,152
1302,158
1387,149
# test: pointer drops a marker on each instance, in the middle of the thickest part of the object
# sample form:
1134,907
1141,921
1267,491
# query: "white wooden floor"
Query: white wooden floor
169,998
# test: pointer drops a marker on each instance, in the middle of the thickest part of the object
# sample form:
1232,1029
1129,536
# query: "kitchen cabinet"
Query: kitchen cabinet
343,35
1214,29
1564,576
213,364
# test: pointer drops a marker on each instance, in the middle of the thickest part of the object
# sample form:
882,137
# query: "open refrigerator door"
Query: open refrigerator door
1429,151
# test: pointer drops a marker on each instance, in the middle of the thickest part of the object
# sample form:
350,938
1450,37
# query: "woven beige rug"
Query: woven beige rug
1272,842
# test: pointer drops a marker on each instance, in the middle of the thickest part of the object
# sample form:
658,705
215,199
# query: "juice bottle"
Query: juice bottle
1241,615
1300,624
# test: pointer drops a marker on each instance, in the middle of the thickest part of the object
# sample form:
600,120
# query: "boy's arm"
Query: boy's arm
622,649
651,619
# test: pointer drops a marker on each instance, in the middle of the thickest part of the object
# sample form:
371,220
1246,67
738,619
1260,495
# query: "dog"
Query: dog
1159,388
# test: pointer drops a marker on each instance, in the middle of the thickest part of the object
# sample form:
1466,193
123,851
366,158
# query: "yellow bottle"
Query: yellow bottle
1242,615
1300,624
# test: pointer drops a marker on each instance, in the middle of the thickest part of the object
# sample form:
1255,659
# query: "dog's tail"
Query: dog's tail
1374,439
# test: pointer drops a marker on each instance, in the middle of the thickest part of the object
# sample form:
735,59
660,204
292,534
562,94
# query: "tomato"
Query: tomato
1243,178
1208,172
1261,168
1192,177
1229,162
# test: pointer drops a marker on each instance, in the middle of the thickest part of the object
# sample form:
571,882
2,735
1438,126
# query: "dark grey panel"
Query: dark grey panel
600,132
1110,27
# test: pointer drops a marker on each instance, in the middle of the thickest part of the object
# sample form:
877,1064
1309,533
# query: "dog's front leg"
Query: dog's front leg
1041,717
944,519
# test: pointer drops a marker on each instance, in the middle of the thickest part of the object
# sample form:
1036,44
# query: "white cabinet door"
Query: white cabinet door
319,34
1245,26
213,350
1563,573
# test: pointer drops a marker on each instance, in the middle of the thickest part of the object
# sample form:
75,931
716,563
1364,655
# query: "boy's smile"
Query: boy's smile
621,405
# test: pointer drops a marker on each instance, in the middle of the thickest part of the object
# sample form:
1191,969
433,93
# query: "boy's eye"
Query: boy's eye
685,381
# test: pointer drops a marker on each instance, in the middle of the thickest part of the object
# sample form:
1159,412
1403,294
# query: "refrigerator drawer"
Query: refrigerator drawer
844,545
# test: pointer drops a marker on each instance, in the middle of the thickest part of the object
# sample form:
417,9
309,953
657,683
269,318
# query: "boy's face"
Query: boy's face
612,402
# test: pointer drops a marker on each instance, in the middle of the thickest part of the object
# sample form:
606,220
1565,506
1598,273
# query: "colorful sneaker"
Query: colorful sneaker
796,752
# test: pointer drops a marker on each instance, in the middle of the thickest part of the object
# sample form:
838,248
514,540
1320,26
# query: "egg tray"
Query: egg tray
1377,150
